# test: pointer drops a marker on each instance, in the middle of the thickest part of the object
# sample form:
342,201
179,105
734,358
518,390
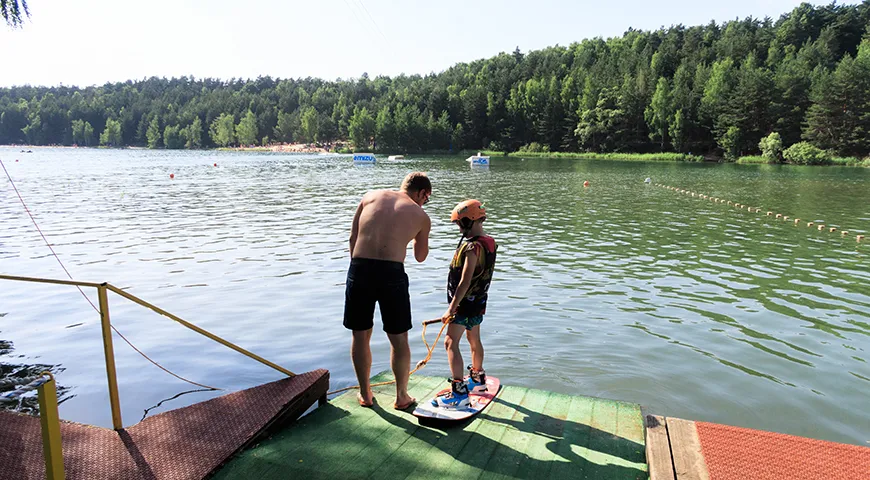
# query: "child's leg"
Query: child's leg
476,348
454,356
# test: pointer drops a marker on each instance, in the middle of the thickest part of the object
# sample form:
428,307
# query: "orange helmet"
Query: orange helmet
470,209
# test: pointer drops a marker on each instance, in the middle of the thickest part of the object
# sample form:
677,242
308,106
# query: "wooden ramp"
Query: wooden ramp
680,449
524,433
186,443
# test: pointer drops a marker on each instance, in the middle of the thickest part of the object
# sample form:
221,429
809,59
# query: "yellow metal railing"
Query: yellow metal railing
102,293
49,419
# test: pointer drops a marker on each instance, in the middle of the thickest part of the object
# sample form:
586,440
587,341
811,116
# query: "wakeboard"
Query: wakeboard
478,399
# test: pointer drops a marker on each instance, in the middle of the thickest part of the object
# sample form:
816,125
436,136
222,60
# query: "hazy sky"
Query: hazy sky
86,42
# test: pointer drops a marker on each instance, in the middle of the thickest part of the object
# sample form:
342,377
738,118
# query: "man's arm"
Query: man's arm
354,229
421,241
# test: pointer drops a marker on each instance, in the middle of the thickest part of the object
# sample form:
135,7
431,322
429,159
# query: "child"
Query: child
467,286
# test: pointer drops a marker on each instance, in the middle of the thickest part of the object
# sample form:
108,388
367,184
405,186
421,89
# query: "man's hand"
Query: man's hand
448,316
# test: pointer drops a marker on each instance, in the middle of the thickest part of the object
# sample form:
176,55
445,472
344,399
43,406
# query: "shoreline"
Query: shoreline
636,157
340,149
280,148
674,157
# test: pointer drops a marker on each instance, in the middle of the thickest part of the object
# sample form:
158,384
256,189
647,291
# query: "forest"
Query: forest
794,89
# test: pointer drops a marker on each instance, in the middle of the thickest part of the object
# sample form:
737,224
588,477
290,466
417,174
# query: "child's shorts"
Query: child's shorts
468,322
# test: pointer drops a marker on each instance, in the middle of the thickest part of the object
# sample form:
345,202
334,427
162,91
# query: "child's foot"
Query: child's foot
363,402
476,378
456,398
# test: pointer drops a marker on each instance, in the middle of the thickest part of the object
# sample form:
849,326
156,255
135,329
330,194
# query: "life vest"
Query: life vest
474,302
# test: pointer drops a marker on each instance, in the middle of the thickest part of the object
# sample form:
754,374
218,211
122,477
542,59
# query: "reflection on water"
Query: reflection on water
27,403
620,290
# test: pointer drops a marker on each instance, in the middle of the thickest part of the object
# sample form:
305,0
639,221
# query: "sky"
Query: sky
91,42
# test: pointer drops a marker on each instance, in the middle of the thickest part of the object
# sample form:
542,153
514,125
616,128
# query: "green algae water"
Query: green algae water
620,290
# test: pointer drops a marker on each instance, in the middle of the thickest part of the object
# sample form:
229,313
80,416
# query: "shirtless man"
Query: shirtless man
385,222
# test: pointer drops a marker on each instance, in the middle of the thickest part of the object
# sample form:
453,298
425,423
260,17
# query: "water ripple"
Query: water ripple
691,308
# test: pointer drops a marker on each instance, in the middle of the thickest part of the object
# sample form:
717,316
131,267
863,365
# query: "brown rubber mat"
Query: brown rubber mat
187,443
733,453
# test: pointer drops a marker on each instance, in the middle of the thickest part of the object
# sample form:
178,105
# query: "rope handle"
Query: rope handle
420,364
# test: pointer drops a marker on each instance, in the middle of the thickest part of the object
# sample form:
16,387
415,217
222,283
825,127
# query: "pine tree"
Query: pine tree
153,133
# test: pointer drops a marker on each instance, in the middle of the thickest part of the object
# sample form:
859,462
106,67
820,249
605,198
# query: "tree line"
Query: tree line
716,88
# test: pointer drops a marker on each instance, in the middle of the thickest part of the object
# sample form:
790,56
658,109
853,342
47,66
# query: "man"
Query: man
385,222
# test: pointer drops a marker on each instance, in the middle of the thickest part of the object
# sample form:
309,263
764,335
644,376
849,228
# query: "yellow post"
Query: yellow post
52,449
110,357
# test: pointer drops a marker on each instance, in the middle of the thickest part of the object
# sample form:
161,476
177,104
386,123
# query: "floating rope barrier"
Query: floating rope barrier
797,221
32,383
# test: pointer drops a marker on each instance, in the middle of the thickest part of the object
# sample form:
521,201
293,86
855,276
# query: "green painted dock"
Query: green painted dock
524,433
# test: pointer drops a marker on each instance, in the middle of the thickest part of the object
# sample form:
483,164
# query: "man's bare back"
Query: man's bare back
385,222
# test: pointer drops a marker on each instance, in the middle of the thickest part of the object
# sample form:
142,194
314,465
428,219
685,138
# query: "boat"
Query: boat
396,157
364,158
478,160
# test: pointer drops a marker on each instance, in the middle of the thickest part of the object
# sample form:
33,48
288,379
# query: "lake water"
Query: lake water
620,290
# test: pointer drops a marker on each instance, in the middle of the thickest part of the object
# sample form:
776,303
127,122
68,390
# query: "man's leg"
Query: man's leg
454,355
361,354
400,361
359,310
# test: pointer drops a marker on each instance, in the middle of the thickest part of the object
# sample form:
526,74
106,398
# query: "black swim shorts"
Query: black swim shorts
381,281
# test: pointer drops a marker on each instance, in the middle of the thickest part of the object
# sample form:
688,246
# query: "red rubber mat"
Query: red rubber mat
186,443
734,453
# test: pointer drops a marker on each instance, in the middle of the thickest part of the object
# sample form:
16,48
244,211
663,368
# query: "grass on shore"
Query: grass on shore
836,161
640,157
850,161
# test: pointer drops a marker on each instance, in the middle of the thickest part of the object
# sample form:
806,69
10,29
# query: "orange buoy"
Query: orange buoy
586,183
171,175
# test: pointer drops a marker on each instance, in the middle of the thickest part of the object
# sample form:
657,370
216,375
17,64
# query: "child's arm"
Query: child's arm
464,283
